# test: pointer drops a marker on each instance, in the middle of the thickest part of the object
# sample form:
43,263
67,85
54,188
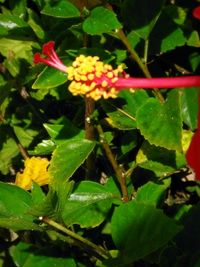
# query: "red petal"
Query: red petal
37,58
196,12
48,47
193,153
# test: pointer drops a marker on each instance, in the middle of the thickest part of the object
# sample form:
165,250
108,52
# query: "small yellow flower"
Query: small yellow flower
35,170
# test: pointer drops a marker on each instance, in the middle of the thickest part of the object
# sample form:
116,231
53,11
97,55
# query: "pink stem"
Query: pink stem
172,82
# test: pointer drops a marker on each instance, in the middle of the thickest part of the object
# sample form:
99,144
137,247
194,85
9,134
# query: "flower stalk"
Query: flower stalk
92,78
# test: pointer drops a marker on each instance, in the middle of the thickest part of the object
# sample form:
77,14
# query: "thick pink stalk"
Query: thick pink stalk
172,82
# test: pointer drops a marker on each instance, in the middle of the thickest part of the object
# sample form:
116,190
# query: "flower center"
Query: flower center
93,78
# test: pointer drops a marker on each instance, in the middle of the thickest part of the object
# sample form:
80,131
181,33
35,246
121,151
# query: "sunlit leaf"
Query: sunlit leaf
88,205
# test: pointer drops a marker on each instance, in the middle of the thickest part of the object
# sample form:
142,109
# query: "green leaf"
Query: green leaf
49,78
14,206
21,49
88,205
188,240
26,255
35,23
118,117
18,7
14,23
101,20
122,112
152,193
194,60
137,230
25,136
8,151
160,123
68,157
194,39
166,35
64,130
61,9
46,147
189,107
141,16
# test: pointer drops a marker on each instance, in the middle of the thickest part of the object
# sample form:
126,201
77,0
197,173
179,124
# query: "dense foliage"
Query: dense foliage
98,183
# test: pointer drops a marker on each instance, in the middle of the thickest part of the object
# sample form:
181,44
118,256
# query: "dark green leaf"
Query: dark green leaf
15,204
166,35
152,193
8,151
26,255
64,130
25,136
61,9
189,107
188,240
160,123
35,23
68,157
101,20
88,205
122,112
49,78
137,230
141,15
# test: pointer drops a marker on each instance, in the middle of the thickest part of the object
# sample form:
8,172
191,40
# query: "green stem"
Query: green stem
97,249
118,171
89,134
138,60
146,46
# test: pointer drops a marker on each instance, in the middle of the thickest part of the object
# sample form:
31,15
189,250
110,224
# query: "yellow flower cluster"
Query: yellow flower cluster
93,78
35,170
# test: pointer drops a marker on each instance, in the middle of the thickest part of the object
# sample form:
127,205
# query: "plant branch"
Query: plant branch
88,244
118,171
89,134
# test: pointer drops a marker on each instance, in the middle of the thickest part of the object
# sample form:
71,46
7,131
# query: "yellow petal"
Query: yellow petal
35,170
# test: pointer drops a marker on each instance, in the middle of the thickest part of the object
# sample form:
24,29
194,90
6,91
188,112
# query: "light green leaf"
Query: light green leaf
101,20
88,205
19,48
194,39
